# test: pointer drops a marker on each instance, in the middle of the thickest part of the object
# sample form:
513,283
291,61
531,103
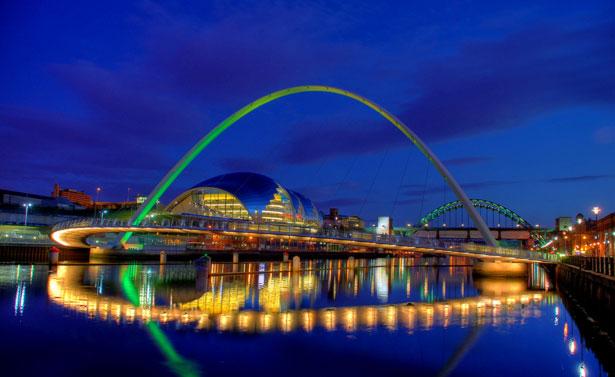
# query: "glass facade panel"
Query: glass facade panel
247,196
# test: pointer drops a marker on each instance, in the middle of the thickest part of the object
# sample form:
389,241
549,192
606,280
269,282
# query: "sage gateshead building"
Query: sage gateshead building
247,196
246,201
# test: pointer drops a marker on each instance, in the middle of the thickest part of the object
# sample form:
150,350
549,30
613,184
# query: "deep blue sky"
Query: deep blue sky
516,98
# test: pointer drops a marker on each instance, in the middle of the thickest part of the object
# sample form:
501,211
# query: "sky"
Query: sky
516,99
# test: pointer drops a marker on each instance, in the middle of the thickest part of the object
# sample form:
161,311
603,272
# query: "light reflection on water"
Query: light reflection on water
399,297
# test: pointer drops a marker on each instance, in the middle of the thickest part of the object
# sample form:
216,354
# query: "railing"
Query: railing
283,230
601,265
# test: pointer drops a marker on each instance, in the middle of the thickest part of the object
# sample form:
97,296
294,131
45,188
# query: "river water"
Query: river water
378,317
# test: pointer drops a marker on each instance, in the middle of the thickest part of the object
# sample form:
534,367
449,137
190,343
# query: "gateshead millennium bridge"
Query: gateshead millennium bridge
268,216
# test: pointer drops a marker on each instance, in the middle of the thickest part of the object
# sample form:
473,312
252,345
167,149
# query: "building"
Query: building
586,236
247,196
17,198
74,196
604,236
9,198
563,223
333,220
385,225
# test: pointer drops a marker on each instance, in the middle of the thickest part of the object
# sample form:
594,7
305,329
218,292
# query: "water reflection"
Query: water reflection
390,296
267,297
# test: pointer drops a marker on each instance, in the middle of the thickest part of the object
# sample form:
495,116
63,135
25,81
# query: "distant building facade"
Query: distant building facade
605,235
385,225
333,220
563,224
16,198
74,196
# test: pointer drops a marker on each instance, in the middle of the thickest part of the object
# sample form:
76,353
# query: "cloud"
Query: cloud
339,202
334,140
484,86
468,160
246,164
70,151
240,55
415,190
581,178
605,135
118,104
498,84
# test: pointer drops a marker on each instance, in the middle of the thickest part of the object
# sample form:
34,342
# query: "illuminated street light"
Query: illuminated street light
102,214
98,190
596,210
27,206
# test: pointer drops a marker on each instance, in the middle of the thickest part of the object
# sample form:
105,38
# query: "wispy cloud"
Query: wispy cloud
581,178
467,160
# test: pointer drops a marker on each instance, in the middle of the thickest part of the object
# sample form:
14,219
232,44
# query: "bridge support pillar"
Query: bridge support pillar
54,256
235,257
500,268
203,266
350,263
285,257
296,263
163,257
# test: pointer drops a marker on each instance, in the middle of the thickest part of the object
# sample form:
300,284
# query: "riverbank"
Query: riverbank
590,299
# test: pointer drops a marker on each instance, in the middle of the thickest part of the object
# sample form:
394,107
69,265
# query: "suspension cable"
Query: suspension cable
371,186
403,177
424,189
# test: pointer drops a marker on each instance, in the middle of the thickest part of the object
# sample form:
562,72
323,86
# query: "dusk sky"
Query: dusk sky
517,100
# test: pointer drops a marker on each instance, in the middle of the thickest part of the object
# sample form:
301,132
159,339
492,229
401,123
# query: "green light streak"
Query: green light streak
181,165
176,362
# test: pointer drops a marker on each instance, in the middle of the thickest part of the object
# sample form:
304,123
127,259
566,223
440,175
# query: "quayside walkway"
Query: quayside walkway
75,233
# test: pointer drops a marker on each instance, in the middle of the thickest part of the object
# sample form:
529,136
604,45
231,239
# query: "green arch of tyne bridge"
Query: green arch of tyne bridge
179,167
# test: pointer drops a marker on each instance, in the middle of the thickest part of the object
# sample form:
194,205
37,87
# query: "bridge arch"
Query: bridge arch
477,203
181,165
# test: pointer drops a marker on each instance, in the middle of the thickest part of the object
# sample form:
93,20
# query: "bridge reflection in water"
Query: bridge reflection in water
392,293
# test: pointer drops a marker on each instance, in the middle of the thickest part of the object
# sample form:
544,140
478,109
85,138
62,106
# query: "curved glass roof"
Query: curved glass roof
256,191
310,212
253,190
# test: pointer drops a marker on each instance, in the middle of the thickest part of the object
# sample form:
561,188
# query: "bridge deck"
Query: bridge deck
74,233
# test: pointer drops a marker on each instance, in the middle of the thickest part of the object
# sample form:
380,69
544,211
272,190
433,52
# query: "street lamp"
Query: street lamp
596,210
98,189
27,207
102,214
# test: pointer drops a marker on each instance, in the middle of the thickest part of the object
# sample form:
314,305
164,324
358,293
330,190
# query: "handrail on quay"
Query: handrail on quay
599,265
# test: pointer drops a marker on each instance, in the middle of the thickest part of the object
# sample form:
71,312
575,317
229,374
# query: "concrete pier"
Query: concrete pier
296,263
203,267
54,256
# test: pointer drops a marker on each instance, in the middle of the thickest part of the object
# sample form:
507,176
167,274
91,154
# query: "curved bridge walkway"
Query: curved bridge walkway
75,232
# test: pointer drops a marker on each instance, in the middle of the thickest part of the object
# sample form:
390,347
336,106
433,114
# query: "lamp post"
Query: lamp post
102,214
596,210
27,207
98,189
